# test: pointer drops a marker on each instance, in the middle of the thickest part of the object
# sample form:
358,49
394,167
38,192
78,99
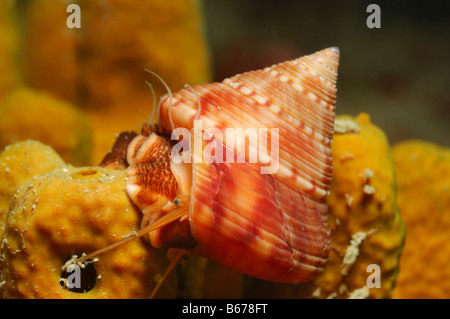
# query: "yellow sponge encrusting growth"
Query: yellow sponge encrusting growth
10,75
423,175
102,66
29,114
20,162
71,211
366,226
53,67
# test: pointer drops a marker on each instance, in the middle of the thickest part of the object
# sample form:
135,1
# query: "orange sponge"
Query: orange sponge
71,211
423,174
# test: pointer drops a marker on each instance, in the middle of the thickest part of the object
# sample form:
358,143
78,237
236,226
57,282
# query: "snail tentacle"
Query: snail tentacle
152,116
169,92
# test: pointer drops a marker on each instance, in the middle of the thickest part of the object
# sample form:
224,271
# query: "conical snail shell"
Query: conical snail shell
272,225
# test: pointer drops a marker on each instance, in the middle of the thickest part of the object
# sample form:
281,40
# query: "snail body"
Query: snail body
255,202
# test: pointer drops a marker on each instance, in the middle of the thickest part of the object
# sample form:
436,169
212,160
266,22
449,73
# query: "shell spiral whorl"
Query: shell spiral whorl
271,226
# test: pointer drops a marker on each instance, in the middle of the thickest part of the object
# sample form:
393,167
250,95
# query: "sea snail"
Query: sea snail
253,200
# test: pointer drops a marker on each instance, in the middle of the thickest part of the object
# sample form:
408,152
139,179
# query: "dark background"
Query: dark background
399,74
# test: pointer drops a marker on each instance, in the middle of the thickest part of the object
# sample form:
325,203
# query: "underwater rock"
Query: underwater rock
423,175
29,114
71,211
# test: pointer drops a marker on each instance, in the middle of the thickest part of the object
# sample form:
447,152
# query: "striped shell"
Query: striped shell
273,225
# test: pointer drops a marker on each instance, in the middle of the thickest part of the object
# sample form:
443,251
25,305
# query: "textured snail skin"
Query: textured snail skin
423,174
271,226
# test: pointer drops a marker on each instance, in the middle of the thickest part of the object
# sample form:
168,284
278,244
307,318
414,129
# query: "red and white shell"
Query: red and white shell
271,226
